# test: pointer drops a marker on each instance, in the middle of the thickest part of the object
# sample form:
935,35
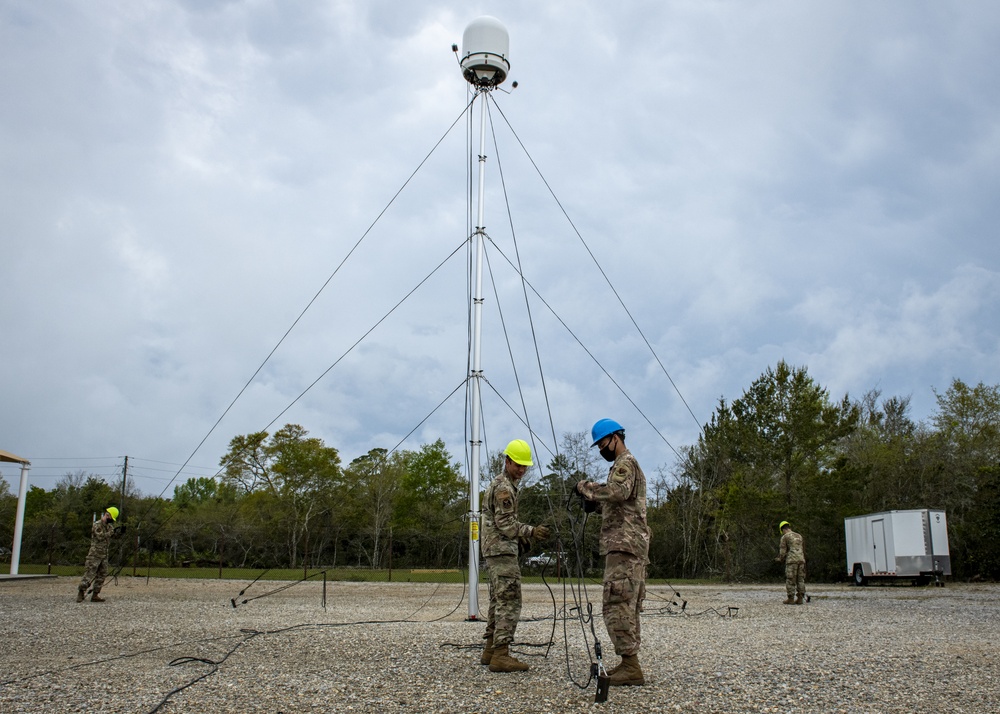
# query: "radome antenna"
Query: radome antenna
485,48
485,64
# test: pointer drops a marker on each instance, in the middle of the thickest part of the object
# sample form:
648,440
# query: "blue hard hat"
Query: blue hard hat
603,427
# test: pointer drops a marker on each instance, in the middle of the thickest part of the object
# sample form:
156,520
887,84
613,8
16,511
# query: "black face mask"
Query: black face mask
606,452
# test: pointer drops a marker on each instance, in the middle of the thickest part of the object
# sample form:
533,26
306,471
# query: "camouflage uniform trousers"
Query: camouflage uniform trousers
505,598
624,591
94,571
795,579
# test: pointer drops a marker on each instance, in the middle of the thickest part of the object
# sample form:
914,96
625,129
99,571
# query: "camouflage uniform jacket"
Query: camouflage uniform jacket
791,550
100,539
501,529
622,502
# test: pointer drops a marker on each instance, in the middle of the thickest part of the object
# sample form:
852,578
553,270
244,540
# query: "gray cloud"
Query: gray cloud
758,181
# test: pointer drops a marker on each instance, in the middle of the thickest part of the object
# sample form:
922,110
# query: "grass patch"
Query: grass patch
350,575
359,575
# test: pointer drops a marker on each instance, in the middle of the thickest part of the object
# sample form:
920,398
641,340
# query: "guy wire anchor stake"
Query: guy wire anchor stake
603,680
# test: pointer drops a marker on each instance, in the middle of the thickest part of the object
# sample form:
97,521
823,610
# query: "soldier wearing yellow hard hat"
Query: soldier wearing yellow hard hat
501,533
792,553
96,564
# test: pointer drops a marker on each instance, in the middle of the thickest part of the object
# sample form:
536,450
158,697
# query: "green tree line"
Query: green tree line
784,450
281,500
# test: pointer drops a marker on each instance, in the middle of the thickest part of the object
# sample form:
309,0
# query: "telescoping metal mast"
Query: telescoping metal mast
485,65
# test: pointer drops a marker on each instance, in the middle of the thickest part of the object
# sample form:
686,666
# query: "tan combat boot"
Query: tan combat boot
95,597
503,662
81,592
798,600
788,601
487,655
628,673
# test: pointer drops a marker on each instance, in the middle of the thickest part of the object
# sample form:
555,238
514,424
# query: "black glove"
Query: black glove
120,530
589,506
523,546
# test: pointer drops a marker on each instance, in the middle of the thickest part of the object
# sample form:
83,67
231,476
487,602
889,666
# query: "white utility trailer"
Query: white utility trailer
910,545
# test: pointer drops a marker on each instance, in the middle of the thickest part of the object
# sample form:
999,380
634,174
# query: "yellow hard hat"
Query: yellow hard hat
114,513
519,452
783,524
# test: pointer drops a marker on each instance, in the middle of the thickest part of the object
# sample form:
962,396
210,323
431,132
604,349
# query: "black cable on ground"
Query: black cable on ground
106,660
214,664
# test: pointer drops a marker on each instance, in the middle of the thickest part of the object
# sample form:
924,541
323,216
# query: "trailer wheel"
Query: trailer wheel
859,575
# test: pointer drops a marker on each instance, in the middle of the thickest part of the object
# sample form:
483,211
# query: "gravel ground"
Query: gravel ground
180,646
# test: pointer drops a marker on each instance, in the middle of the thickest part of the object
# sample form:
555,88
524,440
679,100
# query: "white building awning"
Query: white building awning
12,458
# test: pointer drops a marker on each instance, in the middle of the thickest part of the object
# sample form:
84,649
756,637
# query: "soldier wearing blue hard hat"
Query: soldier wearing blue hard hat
624,545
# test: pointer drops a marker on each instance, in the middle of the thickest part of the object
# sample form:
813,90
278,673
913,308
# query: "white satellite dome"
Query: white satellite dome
485,48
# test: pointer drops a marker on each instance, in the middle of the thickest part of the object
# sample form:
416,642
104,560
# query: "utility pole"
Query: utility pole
121,499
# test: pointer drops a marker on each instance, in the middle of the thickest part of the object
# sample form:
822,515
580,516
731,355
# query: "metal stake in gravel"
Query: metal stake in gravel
232,601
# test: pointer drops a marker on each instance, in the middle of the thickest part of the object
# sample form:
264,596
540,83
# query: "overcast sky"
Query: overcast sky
758,180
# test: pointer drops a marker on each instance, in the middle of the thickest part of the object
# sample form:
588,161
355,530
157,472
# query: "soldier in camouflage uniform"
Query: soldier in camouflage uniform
96,565
794,556
500,535
624,544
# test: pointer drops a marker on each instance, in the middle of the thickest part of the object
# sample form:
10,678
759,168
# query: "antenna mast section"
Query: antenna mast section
485,49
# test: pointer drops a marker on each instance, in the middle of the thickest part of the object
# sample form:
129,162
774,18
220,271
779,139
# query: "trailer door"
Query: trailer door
879,561
938,533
